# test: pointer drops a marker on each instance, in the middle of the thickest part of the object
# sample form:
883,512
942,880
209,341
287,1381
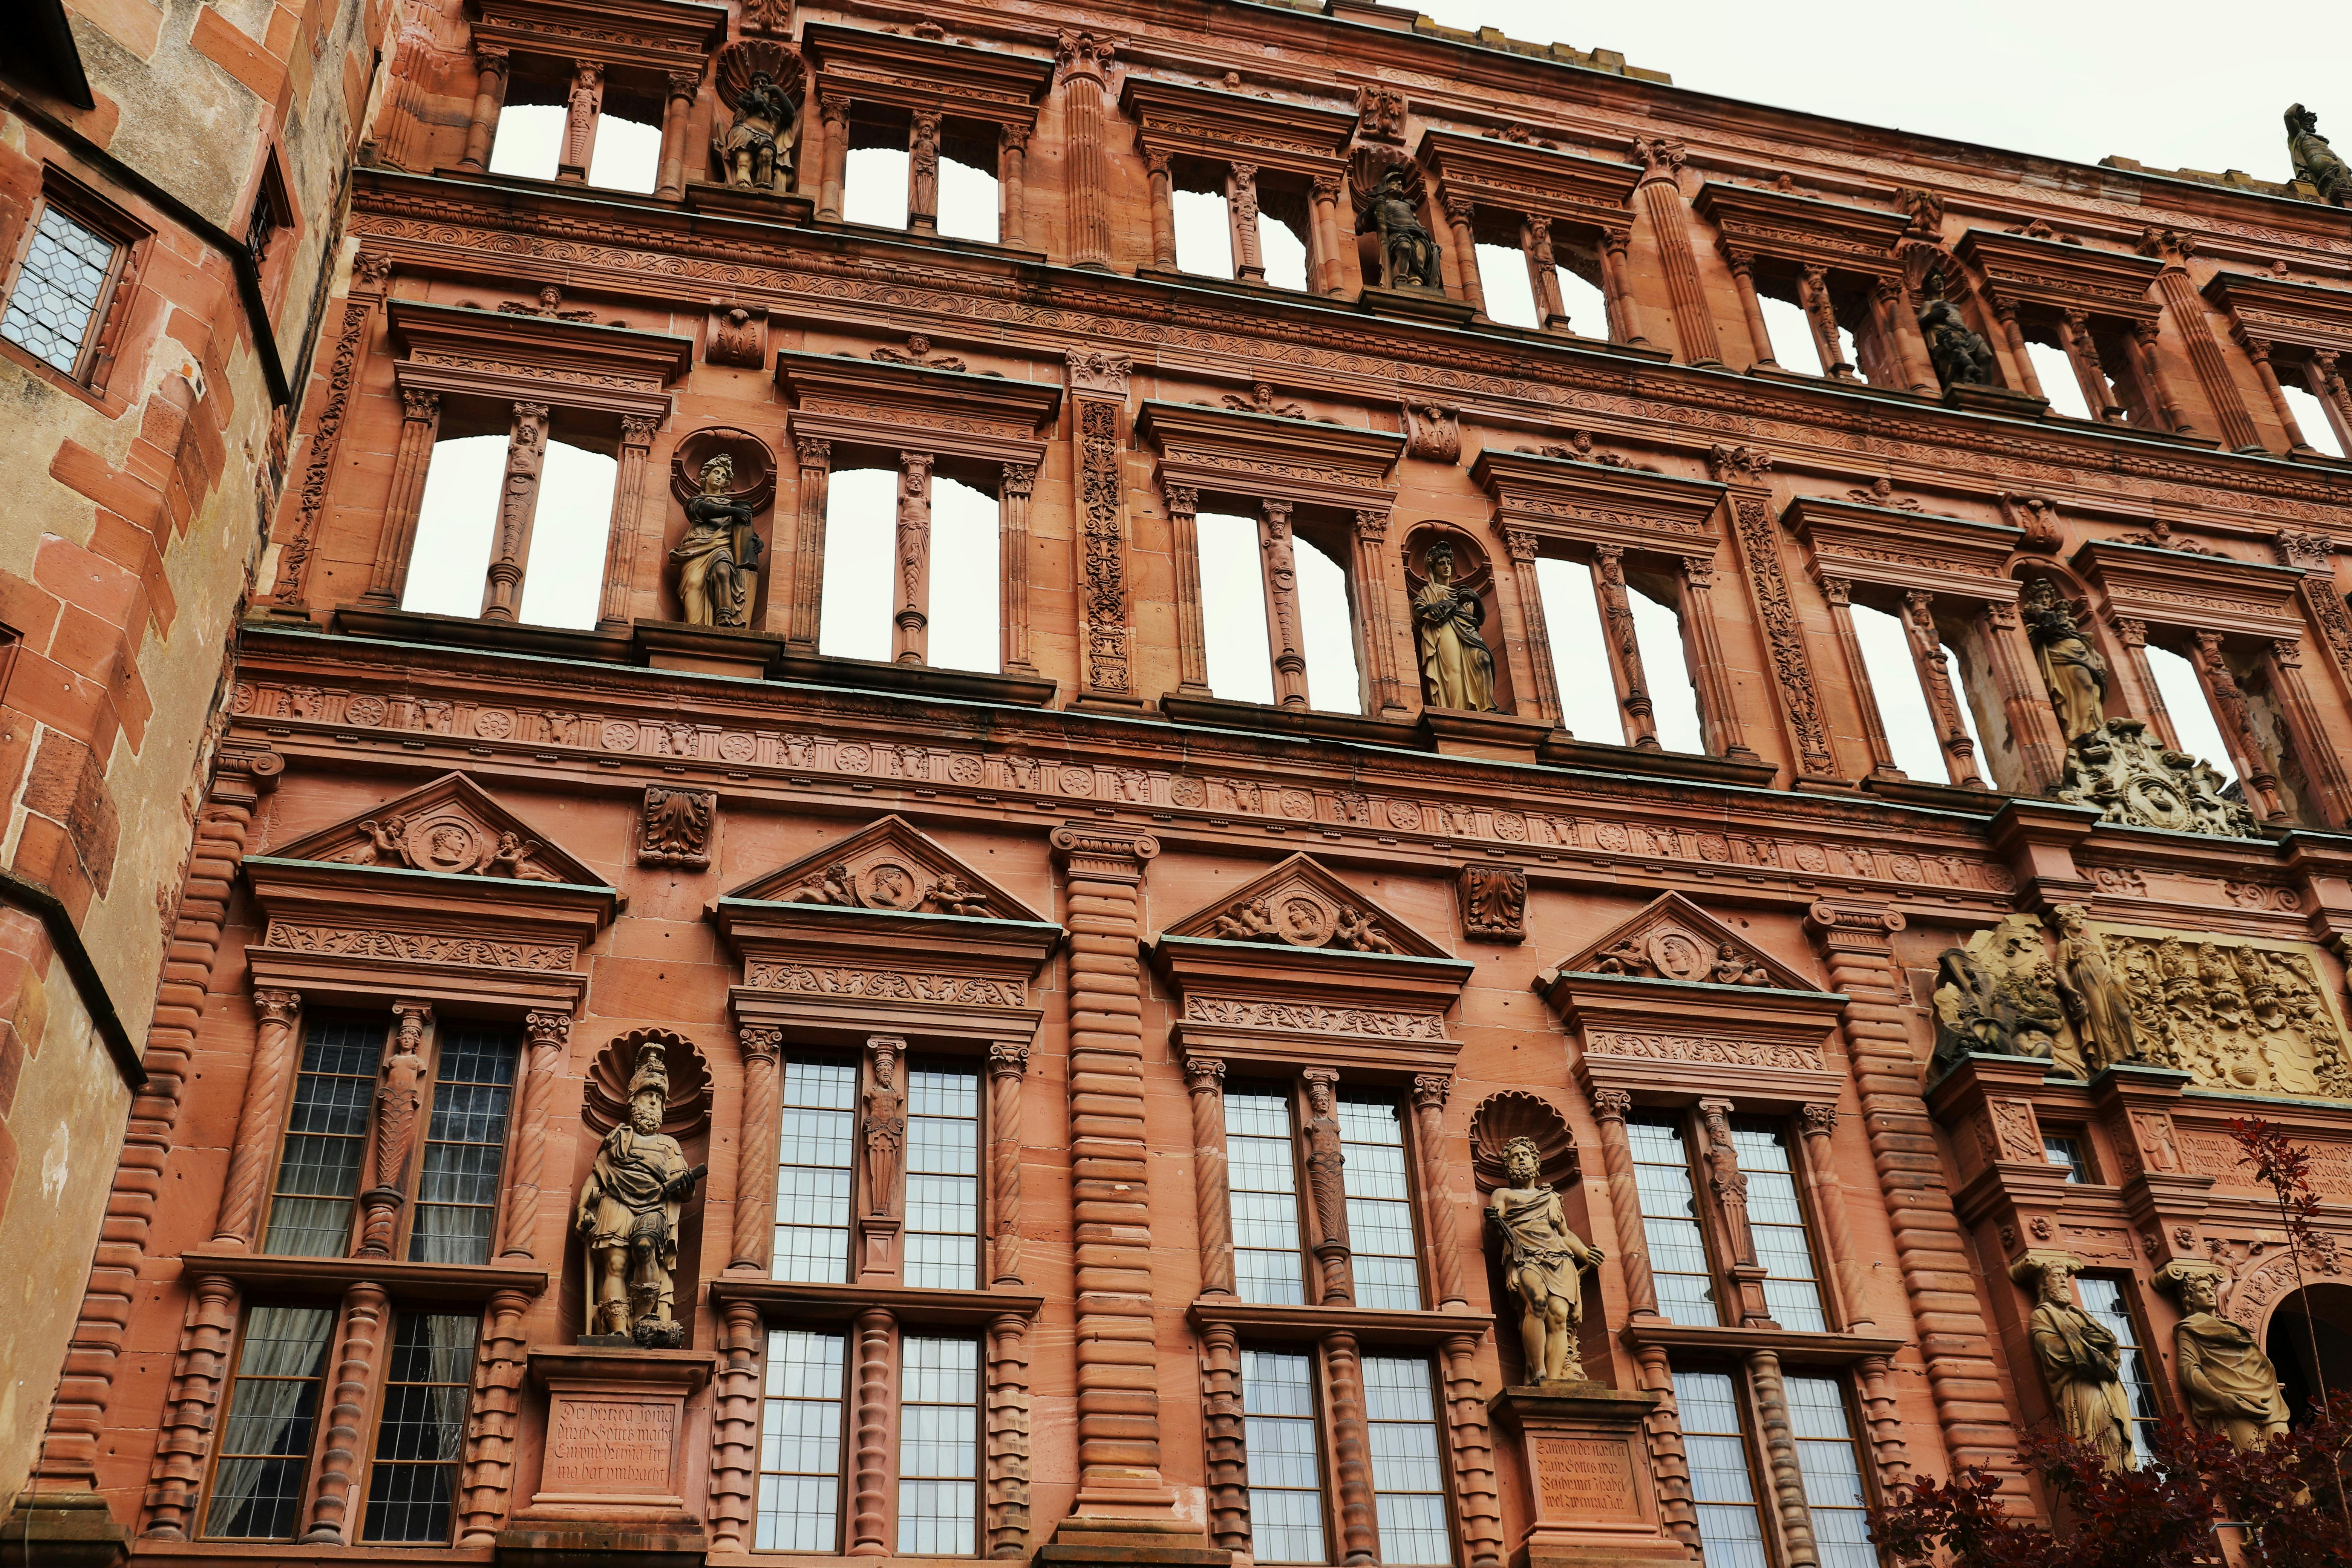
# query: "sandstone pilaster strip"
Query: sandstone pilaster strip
1008,1063
1343,1364
1472,1442
548,1034
755,1150
275,1051
493,1421
1780,1456
344,1455
199,1377
1007,1500
735,1428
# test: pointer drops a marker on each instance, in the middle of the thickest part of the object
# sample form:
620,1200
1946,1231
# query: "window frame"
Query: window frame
215,1448
100,345
1714,1225
1763,1484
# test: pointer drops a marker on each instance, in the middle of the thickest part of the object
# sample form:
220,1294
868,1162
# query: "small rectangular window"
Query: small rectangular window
939,1447
2104,1300
1777,1221
2067,1154
1379,1204
1832,1471
56,305
273,1418
800,1443
465,1145
1262,1178
943,1179
1408,1481
1285,1466
1678,1267
1722,1484
813,1170
326,1136
413,1490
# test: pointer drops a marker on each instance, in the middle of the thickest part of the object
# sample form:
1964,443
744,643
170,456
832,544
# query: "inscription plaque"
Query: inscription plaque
1584,1477
610,1446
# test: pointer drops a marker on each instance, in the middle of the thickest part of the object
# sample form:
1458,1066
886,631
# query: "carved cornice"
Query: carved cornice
2023,270
1205,122
2273,310
1559,498
2201,593
1906,549
534,359
1537,181
1277,1007
990,84
917,409
1260,456
1804,229
663,36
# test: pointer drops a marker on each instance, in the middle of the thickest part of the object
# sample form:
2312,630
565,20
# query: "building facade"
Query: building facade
991,889
171,181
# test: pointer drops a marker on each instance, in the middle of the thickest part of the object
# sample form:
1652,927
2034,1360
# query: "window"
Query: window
943,1179
1379,1205
801,1442
859,602
2068,1153
419,1438
1232,608
1263,1177
1777,1221
938,1447
529,144
1326,626
2311,418
2183,697
1408,1487
1899,686
458,1167
264,1453
1509,287
457,525
1662,1175
2104,1300
1722,1481
813,1170
55,308
2056,372
1210,244
1286,1464
1832,1471
1597,701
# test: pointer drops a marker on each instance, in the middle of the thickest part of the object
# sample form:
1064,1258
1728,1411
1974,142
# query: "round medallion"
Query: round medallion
493,723
851,758
1713,846
1811,857
1611,835
1510,827
1077,780
2157,802
445,844
620,736
241,698
1906,868
736,747
1677,955
1298,804
1187,791
1305,922
964,768
1403,814
888,885
365,712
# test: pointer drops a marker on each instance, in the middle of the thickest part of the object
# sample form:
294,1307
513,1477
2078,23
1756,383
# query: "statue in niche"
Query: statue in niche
2315,162
2072,668
2226,1383
1457,669
629,1210
1997,995
1325,1162
1543,1265
755,152
886,1128
718,552
1958,350
1408,250
2081,1362
2095,996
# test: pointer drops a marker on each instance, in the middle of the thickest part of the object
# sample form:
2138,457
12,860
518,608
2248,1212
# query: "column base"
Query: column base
62,1529
1592,1499
612,1484
1128,1541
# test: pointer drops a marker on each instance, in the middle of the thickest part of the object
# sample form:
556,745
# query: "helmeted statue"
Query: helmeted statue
718,551
1457,668
755,152
629,1209
1408,250
1542,1263
2315,160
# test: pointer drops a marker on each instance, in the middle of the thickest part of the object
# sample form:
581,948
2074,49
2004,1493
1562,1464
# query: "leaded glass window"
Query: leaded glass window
1408,1481
419,1439
800,1443
1833,1472
1678,1268
943,1179
2104,1300
1722,1485
326,1137
1262,1178
1776,1222
53,309
939,1447
1379,1204
273,1414
465,1145
813,1170
1286,1464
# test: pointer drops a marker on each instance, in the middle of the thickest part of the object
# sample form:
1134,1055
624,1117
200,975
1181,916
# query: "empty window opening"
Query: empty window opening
627,156
1509,287
1579,660
529,143
861,516
1903,708
1658,633
563,575
455,524
1327,630
2311,418
964,603
969,199
2056,372
874,186
1283,252
1233,609
529,137
1204,239
1792,336
2185,705
1585,302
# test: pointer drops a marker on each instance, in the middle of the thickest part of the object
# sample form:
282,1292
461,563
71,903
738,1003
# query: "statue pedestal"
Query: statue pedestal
621,1439
1592,1499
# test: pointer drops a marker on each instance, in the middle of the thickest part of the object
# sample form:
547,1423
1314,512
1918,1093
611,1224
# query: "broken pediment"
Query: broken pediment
1300,904
451,826
888,866
1673,939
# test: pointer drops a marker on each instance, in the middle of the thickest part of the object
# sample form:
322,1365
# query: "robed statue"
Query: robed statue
718,552
2315,160
1542,1264
629,1210
2074,671
2228,1384
1457,668
2082,1364
2092,992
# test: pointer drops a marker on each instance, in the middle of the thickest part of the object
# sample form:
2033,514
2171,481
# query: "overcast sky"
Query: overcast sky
2169,84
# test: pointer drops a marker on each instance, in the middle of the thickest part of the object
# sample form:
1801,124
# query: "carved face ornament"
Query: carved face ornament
646,1111
1519,1158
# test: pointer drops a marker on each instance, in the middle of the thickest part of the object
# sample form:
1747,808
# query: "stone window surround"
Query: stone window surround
535,366
1275,465
2076,293
931,82
2291,328
101,341
1538,192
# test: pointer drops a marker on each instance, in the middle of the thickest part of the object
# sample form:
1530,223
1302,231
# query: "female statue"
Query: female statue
2228,1384
710,577
1457,669
2095,999
1542,1262
2073,669
2081,1365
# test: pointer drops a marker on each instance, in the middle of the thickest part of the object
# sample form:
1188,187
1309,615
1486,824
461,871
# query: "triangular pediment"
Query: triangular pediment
888,866
451,826
1673,939
1300,904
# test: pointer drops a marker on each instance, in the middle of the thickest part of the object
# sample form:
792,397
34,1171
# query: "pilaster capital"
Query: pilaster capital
1104,852
1430,1090
1612,1104
1204,1075
761,1042
272,1005
1819,1120
1008,1059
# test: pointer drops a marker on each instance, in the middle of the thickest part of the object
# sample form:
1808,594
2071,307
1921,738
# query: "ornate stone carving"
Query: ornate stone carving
1262,400
675,829
1494,902
1673,940
1379,113
2037,515
2315,162
1392,212
1543,1264
2227,1385
756,78
1432,431
2094,994
2233,1015
720,551
448,843
735,340
628,1211
1998,995
1105,598
885,1126
1457,668
1959,352
1515,1116
1326,1185
2078,1357
918,352
2124,774
1302,921
2074,671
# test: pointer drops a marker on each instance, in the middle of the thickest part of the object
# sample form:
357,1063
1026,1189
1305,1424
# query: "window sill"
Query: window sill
1267,718
1790,1344
1939,797
970,685
1563,750
410,1282
467,631
1259,1320
837,1303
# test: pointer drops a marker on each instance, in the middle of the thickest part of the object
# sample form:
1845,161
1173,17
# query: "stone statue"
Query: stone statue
2072,668
2226,1383
1999,995
2081,1362
1457,669
755,152
885,1130
2095,995
1958,350
1408,251
2315,160
718,552
1326,1162
1543,1263
629,1210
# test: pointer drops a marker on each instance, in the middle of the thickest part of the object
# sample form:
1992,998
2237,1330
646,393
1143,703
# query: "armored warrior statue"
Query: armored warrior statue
2314,160
1408,250
629,1210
